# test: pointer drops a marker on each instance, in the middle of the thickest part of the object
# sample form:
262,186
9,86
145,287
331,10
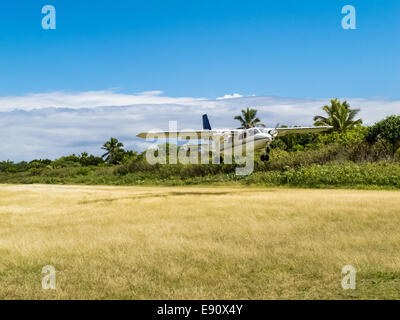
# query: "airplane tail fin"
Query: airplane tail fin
206,123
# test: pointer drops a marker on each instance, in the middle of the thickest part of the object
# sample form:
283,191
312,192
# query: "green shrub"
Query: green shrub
388,132
397,155
349,137
333,175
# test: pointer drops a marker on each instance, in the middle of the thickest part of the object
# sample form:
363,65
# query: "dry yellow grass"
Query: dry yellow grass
197,242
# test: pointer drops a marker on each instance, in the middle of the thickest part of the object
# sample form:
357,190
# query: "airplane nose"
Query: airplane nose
264,136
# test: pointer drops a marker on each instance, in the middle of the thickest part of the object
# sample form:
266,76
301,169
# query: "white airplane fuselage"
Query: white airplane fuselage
257,138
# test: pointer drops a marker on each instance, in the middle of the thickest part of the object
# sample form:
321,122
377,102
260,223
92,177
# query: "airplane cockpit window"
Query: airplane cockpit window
256,131
251,132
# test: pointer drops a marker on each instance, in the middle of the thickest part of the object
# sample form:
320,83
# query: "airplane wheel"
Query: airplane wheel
264,157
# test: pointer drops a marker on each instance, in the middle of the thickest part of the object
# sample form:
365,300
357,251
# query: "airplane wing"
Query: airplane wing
184,135
285,131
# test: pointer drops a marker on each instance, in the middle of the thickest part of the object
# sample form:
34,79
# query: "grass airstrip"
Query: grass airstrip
198,242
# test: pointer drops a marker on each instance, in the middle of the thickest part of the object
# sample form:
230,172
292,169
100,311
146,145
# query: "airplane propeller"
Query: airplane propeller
274,132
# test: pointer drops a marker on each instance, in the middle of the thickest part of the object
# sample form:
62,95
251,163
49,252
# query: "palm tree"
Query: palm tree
248,119
113,148
340,116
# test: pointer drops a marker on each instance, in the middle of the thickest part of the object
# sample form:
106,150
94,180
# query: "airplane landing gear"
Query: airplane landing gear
265,157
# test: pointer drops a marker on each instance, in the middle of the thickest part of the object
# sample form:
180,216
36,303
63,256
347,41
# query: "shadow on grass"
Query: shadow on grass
168,194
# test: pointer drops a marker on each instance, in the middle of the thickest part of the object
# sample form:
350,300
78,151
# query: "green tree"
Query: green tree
249,119
130,156
114,151
89,160
340,116
388,132
66,162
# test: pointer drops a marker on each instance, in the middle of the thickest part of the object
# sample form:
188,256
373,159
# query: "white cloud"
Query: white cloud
230,96
89,99
59,123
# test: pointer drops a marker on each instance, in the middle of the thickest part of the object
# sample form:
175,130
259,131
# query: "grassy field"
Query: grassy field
198,242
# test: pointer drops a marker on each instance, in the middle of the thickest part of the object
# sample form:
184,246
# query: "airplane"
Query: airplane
260,136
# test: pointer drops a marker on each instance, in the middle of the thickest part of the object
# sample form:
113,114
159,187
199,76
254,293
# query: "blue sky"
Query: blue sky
116,68
204,48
